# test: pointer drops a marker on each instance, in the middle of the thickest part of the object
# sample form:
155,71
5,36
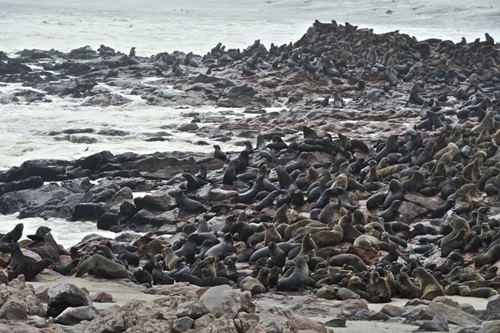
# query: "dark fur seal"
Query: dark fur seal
14,235
298,279
21,264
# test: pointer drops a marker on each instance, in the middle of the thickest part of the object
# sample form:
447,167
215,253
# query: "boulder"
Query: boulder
13,310
194,309
182,324
65,295
221,301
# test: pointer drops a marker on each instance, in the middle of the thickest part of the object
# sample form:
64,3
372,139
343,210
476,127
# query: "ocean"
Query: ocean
156,26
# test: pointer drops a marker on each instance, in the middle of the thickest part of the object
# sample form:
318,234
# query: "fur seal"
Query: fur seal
429,286
14,235
101,267
298,279
252,285
222,249
143,277
160,277
21,264
406,288
187,204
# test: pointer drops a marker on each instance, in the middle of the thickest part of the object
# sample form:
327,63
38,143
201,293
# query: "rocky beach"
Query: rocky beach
348,180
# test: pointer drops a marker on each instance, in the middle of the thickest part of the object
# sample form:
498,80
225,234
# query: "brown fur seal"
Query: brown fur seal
406,288
102,267
348,259
307,245
330,237
429,286
271,234
171,258
377,289
278,256
299,277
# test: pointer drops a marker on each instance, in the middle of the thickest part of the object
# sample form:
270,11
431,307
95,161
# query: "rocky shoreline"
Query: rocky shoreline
379,180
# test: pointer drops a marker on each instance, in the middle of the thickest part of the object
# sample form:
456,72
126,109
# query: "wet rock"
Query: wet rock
65,295
74,315
182,324
221,301
28,183
105,100
188,127
107,220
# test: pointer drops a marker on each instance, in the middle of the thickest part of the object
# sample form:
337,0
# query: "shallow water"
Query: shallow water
166,25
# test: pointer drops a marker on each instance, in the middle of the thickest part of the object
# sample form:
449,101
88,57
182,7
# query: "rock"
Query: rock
306,324
65,295
182,324
337,322
74,315
194,309
447,301
490,327
188,127
493,303
107,221
13,310
103,297
220,325
42,293
392,310
454,315
221,301
203,321
438,324
379,316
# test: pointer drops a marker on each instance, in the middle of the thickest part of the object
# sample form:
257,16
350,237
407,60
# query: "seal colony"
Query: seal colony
314,203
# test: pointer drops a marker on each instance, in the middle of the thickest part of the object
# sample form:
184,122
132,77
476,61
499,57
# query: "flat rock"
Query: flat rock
454,315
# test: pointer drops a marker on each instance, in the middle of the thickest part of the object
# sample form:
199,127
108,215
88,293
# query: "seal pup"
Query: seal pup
297,281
